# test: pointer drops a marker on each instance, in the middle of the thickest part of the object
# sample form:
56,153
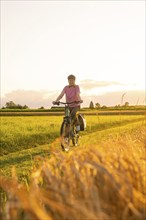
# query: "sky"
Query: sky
101,42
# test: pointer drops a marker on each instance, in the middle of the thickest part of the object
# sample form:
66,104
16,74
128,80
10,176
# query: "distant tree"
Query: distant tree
126,104
25,107
41,107
19,106
91,106
10,104
117,106
97,105
104,106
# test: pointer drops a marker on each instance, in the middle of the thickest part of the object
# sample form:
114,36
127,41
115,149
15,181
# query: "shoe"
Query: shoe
66,149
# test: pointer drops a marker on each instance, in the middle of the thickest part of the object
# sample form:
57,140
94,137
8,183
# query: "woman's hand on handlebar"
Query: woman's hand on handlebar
55,103
58,102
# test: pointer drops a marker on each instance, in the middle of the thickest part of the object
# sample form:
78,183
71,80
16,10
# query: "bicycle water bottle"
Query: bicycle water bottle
67,112
78,128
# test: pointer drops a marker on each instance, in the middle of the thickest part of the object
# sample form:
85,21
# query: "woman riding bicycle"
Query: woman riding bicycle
72,93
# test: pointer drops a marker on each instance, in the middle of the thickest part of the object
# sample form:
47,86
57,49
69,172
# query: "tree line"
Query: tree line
12,105
98,106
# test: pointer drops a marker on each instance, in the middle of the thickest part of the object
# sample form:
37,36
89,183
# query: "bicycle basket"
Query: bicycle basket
82,122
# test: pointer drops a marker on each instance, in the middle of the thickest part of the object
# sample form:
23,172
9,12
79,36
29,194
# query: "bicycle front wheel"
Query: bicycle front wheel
75,139
65,136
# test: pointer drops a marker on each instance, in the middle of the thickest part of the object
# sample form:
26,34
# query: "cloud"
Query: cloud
36,99
89,84
31,98
134,97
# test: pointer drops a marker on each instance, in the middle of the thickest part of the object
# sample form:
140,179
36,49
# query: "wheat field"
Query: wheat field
104,178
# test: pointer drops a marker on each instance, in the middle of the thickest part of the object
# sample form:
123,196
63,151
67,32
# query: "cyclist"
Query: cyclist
72,93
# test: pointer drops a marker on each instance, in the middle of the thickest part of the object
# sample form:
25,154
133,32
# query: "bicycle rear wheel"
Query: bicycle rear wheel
65,136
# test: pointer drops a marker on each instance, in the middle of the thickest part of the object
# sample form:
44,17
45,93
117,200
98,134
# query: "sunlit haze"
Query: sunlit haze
101,42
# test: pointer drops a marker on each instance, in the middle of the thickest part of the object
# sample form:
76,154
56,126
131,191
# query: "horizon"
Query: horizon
118,98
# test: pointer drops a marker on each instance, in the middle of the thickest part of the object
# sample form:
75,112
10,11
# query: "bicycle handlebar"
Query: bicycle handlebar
66,103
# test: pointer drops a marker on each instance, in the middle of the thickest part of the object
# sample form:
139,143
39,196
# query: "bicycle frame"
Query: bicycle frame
67,131
67,110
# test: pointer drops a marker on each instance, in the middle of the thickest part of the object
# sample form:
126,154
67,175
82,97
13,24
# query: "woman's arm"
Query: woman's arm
59,97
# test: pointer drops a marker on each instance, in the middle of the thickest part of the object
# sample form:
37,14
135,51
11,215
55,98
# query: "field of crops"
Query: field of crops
103,178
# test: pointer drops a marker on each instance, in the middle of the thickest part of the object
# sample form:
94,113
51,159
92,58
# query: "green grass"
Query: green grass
22,160
24,138
18,133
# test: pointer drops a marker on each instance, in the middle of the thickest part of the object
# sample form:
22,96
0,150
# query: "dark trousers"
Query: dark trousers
73,111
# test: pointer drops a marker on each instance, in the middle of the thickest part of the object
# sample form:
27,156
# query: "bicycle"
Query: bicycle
68,131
